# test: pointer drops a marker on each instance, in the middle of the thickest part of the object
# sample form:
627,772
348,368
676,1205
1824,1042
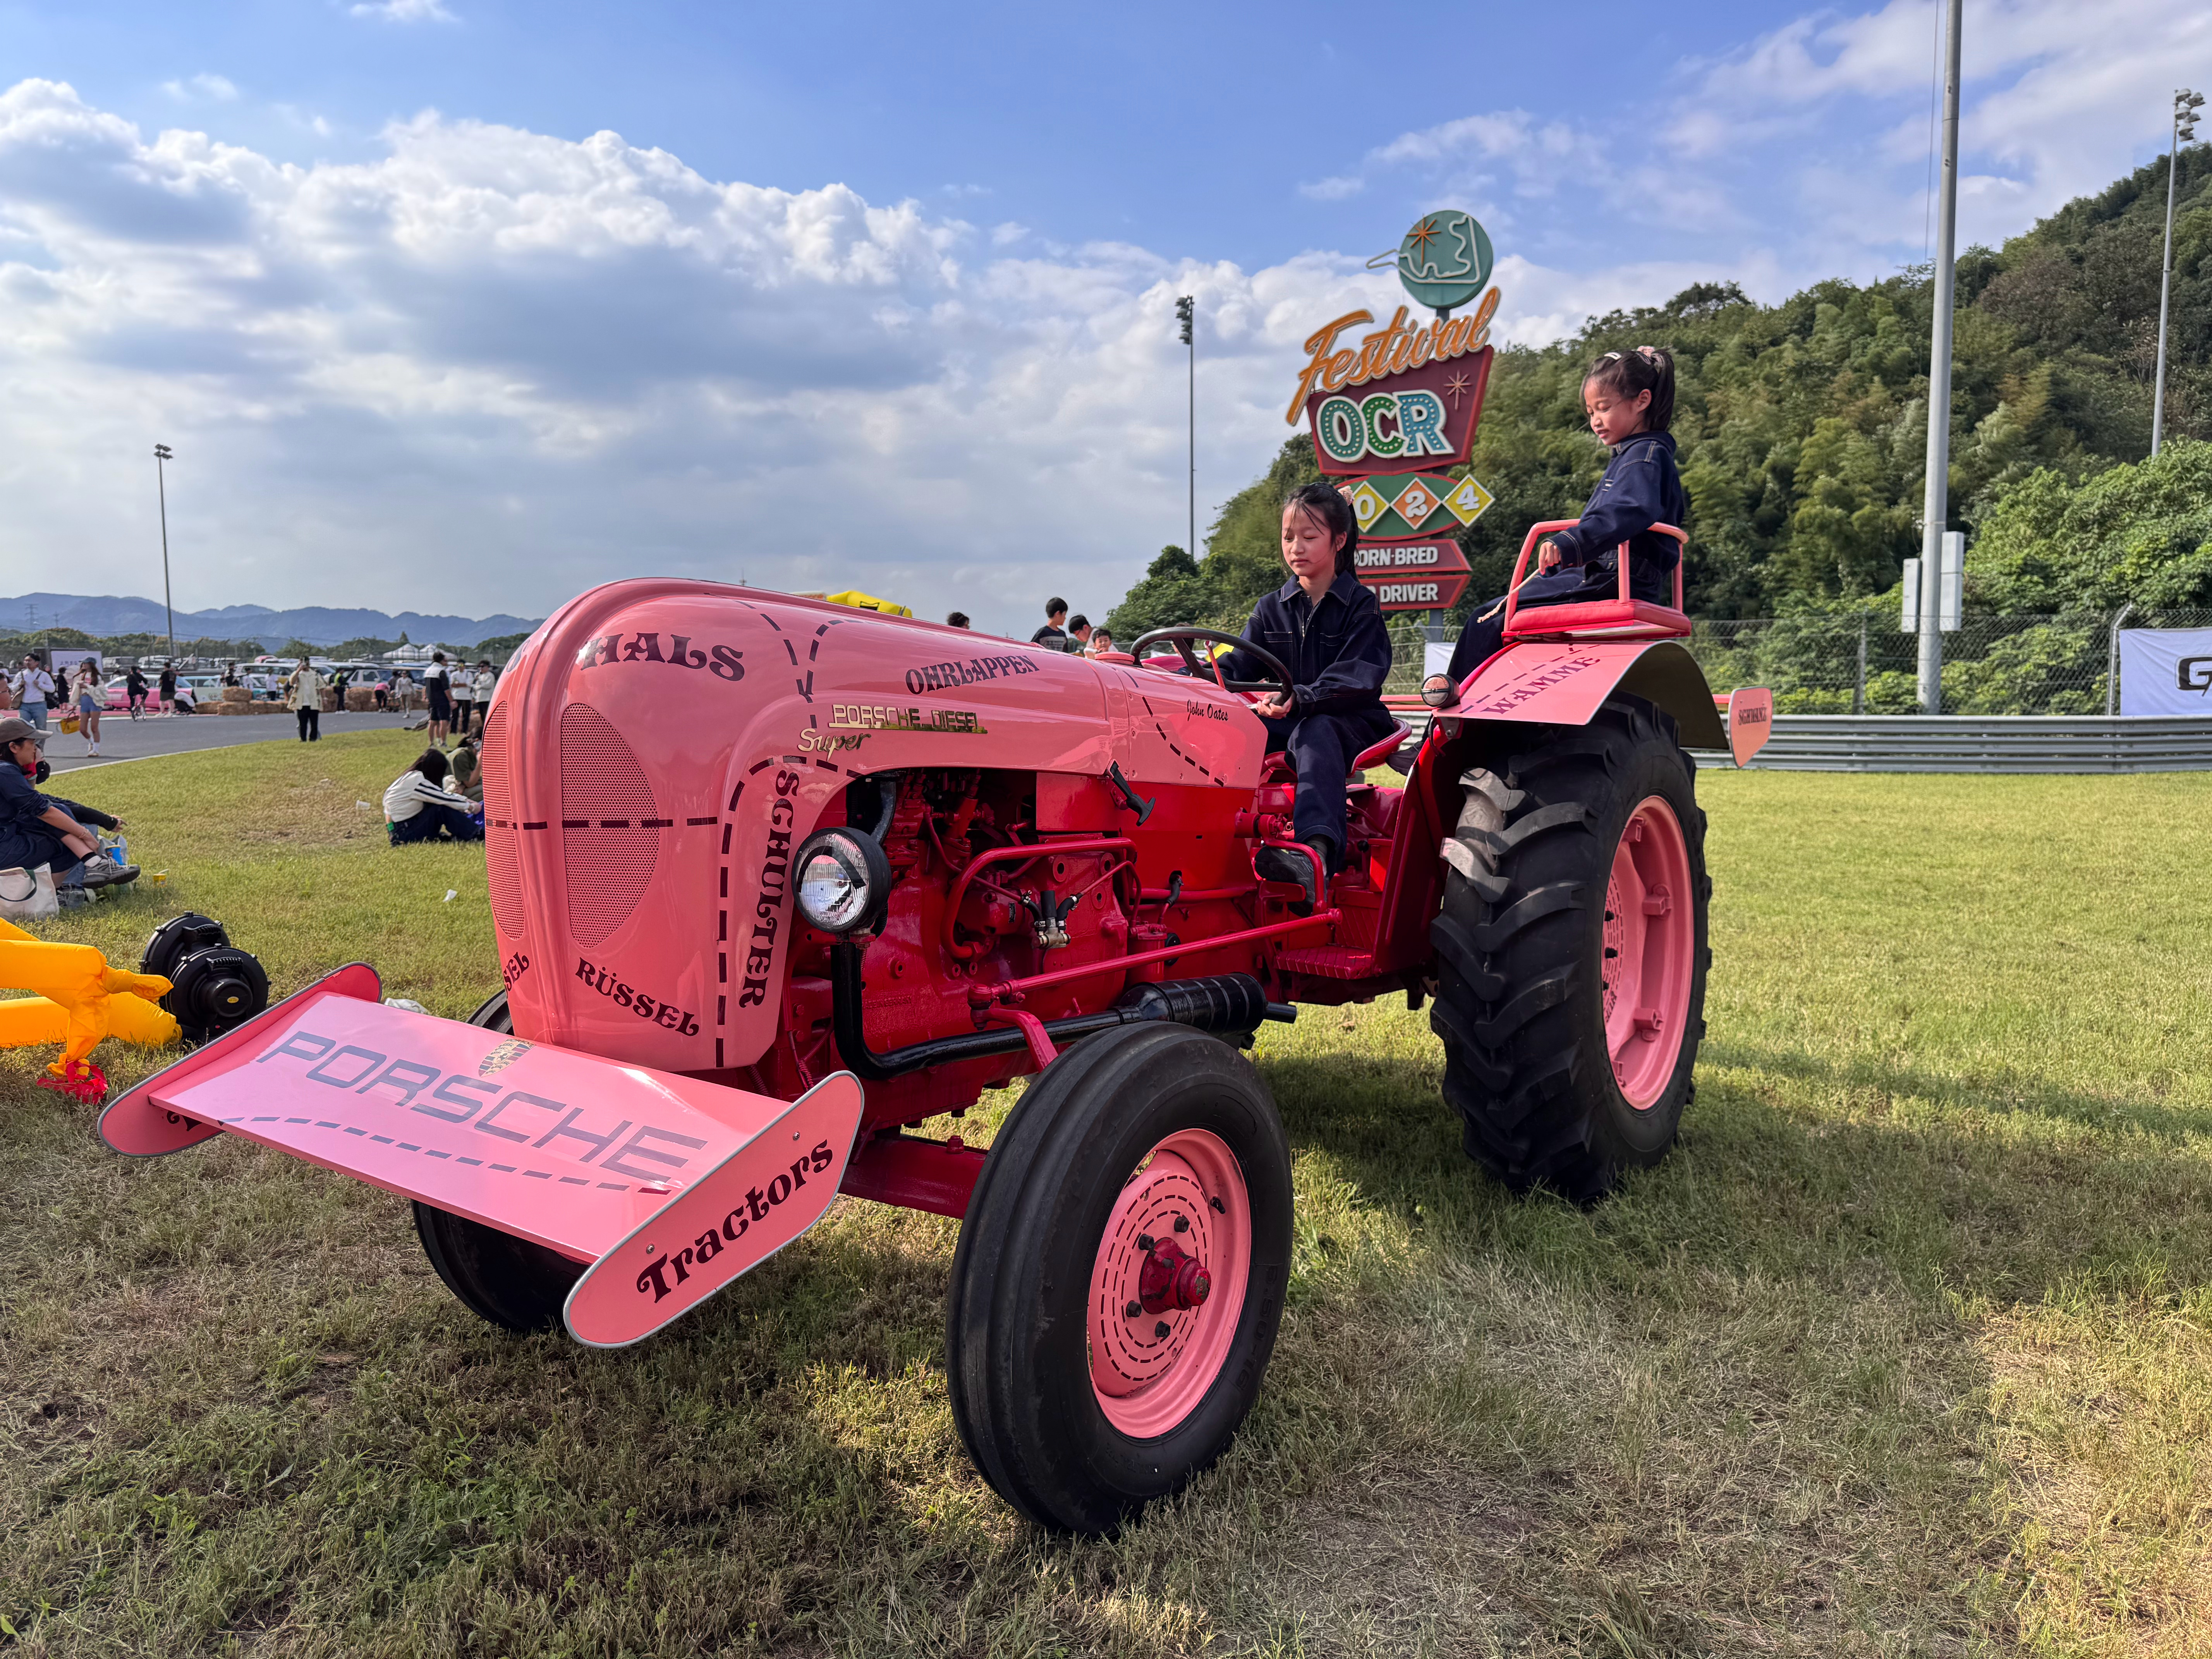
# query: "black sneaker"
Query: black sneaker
1290,864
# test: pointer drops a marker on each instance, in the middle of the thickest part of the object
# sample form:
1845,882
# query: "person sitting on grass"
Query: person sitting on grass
418,805
35,829
467,770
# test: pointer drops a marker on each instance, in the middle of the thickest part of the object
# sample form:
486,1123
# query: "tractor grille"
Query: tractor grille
501,849
609,825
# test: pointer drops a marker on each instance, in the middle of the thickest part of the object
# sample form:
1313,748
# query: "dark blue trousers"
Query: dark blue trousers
1321,748
427,822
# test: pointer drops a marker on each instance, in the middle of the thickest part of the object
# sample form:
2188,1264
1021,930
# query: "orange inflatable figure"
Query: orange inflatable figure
80,1000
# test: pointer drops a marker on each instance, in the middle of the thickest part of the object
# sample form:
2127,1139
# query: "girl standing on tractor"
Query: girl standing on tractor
1631,398
1327,629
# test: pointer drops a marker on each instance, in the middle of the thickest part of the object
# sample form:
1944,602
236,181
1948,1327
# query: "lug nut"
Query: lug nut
1145,1243
1133,1310
1160,1330
1183,1224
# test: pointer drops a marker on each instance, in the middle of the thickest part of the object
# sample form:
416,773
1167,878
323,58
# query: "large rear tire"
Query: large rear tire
508,1280
1572,951
1120,1277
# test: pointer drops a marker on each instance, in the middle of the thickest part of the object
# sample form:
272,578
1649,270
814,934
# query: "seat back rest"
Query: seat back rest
1376,753
1621,617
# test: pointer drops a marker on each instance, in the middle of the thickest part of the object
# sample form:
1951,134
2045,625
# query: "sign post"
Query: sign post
1392,411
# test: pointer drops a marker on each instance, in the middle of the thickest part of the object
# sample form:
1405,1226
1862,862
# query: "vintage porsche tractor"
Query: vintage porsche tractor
775,881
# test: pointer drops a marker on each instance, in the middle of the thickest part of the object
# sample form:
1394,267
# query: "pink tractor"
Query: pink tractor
775,881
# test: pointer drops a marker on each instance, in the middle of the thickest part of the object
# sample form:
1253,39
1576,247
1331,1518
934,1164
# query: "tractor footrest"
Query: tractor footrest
1328,962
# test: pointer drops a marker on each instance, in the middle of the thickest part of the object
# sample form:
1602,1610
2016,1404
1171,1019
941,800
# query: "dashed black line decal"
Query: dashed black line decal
757,768
695,823
432,1151
791,650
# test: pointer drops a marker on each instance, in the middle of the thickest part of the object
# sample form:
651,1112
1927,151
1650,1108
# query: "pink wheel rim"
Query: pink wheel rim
1651,949
1150,1369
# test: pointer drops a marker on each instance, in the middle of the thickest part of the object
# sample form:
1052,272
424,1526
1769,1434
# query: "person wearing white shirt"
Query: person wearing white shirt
418,804
34,689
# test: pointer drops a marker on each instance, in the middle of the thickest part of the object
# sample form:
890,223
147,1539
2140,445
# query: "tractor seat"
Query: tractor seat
1600,619
1276,768
1619,618
1377,753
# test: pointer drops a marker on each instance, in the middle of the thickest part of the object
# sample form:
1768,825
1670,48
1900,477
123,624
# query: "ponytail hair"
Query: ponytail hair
1326,502
1647,369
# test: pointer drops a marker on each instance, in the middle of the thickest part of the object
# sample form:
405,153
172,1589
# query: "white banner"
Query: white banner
2166,671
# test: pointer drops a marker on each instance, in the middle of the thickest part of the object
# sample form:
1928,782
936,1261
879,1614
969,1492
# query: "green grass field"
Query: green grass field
1903,1351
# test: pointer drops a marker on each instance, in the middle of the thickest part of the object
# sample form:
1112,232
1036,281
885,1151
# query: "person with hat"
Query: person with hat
34,829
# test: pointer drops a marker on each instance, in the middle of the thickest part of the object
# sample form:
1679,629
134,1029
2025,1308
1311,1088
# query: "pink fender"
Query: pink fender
1564,682
1750,721
669,1187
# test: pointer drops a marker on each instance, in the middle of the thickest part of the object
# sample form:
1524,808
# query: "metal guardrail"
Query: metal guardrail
1986,743
1966,742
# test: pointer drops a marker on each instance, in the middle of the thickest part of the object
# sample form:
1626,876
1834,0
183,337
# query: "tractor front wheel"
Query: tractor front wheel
1120,1276
508,1280
1571,952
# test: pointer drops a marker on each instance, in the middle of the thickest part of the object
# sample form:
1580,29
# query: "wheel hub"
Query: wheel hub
1650,946
1168,1284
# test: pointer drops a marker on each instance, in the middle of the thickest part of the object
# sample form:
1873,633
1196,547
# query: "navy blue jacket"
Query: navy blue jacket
1337,651
1640,489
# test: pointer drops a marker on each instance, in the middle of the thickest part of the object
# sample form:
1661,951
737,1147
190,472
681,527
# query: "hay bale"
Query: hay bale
360,698
237,693
226,707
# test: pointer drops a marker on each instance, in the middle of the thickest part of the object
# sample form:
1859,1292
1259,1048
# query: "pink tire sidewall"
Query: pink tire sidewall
1651,944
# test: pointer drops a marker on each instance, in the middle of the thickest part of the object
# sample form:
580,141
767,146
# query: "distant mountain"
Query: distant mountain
107,615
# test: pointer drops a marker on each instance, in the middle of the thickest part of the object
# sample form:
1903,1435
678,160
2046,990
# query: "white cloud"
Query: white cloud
1334,189
215,87
406,11
495,367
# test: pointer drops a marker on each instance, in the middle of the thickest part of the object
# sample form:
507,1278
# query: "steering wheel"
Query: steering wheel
1279,682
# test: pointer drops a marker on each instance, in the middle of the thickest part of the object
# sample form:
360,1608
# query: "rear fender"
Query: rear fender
670,1187
1566,682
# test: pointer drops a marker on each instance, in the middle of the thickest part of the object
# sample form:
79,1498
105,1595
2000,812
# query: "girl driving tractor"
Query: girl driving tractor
1327,629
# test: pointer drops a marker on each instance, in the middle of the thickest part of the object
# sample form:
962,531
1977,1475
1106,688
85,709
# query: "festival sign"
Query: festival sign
1392,409
1402,395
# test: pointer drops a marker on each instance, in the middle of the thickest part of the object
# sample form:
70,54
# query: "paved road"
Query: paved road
122,739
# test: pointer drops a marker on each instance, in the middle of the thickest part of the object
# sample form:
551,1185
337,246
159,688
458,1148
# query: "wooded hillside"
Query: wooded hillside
1803,426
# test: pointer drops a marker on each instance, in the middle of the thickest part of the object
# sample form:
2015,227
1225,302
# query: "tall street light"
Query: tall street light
2185,105
1935,510
162,455
1186,313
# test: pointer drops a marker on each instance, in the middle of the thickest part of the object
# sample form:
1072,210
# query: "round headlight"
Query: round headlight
843,880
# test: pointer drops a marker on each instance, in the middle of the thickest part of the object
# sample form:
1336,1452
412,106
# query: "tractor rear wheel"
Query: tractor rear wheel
508,1280
1120,1277
1572,951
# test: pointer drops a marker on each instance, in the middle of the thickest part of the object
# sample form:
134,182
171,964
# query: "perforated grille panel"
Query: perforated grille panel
609,825
502,845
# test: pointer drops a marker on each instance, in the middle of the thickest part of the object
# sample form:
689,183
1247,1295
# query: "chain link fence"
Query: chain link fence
1864,664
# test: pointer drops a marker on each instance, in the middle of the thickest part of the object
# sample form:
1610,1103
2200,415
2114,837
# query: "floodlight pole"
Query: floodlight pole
1186,320
163,454
1935,507
2185,105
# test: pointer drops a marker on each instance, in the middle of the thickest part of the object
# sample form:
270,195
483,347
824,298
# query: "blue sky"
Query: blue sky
467,304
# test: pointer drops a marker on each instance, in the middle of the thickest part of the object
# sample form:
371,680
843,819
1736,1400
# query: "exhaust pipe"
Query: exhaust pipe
1219,1003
